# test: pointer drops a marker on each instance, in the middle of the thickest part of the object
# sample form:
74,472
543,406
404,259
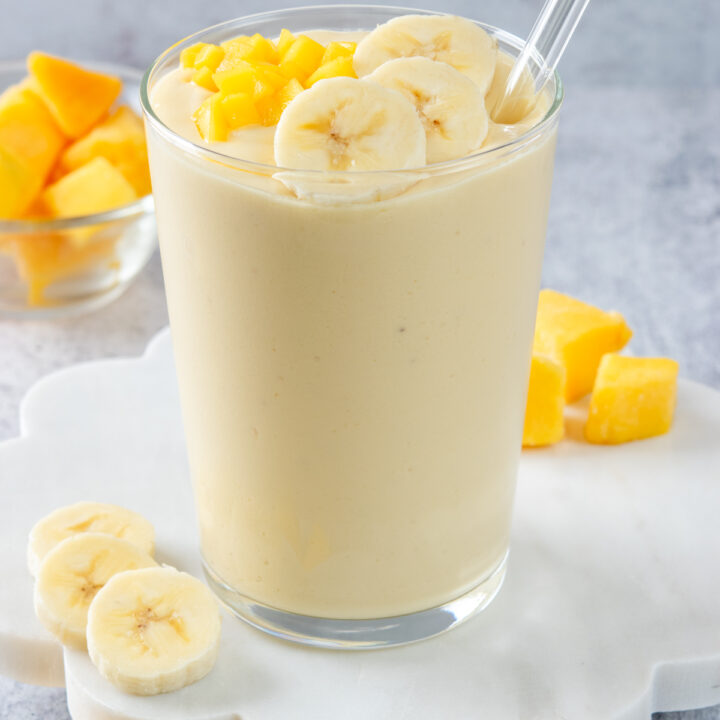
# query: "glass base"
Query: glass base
360,634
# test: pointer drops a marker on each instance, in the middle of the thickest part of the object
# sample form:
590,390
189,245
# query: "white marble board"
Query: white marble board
610,610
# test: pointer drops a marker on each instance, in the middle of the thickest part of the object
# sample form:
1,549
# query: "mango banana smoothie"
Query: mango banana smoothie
352,251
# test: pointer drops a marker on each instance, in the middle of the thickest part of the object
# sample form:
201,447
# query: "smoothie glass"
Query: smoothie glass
353,352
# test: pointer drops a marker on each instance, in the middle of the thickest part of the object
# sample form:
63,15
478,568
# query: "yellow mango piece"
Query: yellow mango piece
263,50
188,55
29,133
238,79
577,335
116,139
209,57
210,120
272,108
18,186
237,50
76,97
239,109
204,78
339,67
633,398
304,53
136,171
45,259
92,188
544,421
285,40
338,49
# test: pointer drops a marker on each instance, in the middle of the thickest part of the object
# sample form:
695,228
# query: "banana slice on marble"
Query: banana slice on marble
449,104
445,38
70,576
347,124
153,631
87,517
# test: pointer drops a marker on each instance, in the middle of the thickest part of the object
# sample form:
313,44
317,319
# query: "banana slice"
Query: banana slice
450,105
70,576
87,517
153,631
446,38
348,124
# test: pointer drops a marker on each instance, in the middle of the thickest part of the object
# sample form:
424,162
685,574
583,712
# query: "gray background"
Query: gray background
635,217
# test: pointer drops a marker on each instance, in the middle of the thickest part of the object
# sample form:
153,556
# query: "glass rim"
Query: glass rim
194,148
142,205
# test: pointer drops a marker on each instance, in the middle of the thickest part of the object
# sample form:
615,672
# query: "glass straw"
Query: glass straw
542,51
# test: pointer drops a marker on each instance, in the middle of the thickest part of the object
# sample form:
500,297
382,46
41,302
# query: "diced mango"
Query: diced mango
239,110
204,78
209,57
577,335
338,49
263,50
121,140
47,258
76,97
339,67
285,40
304,54
210,120
29,133
272,108
18,185
633,398
189,54
119,137
544,421
239,79
237,50
92,188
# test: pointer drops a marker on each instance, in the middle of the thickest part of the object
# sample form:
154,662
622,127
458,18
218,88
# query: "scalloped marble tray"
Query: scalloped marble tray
610,608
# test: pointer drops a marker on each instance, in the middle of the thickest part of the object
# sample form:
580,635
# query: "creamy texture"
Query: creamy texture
353,375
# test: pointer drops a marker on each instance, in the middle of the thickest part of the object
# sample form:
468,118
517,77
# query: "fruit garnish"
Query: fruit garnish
70,576
253,78
633,398
444,38
153,630
577,335
450,105
544,414
349,124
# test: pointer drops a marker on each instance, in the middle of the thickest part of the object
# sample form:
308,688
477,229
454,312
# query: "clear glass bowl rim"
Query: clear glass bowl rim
261,168
139,207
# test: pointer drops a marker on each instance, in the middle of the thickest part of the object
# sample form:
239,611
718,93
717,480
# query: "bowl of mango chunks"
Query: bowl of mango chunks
77,221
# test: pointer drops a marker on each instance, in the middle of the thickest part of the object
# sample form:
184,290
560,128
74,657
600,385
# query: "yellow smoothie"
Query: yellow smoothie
353,366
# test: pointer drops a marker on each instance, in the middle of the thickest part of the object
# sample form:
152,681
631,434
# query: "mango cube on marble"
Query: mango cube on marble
576,335
544,419
633,399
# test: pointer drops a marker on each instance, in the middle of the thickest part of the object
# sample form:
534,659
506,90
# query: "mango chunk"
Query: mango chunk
544,420
285,40
633,398
29,134
210,119
338,49
272,108
18,186
303,56
576,336
92,188
239,109
209,56
338,67
76,97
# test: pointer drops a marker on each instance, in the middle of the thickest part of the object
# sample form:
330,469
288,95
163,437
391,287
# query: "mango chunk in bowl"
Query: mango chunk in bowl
77,220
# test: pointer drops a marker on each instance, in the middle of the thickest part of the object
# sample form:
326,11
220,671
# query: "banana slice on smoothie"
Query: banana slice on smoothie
153,631
70,576
445,38
87,517
347,124
449,104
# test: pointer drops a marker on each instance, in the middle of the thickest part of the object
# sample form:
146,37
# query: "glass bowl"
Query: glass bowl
60,267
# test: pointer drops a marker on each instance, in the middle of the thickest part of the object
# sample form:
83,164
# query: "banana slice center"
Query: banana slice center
151,627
